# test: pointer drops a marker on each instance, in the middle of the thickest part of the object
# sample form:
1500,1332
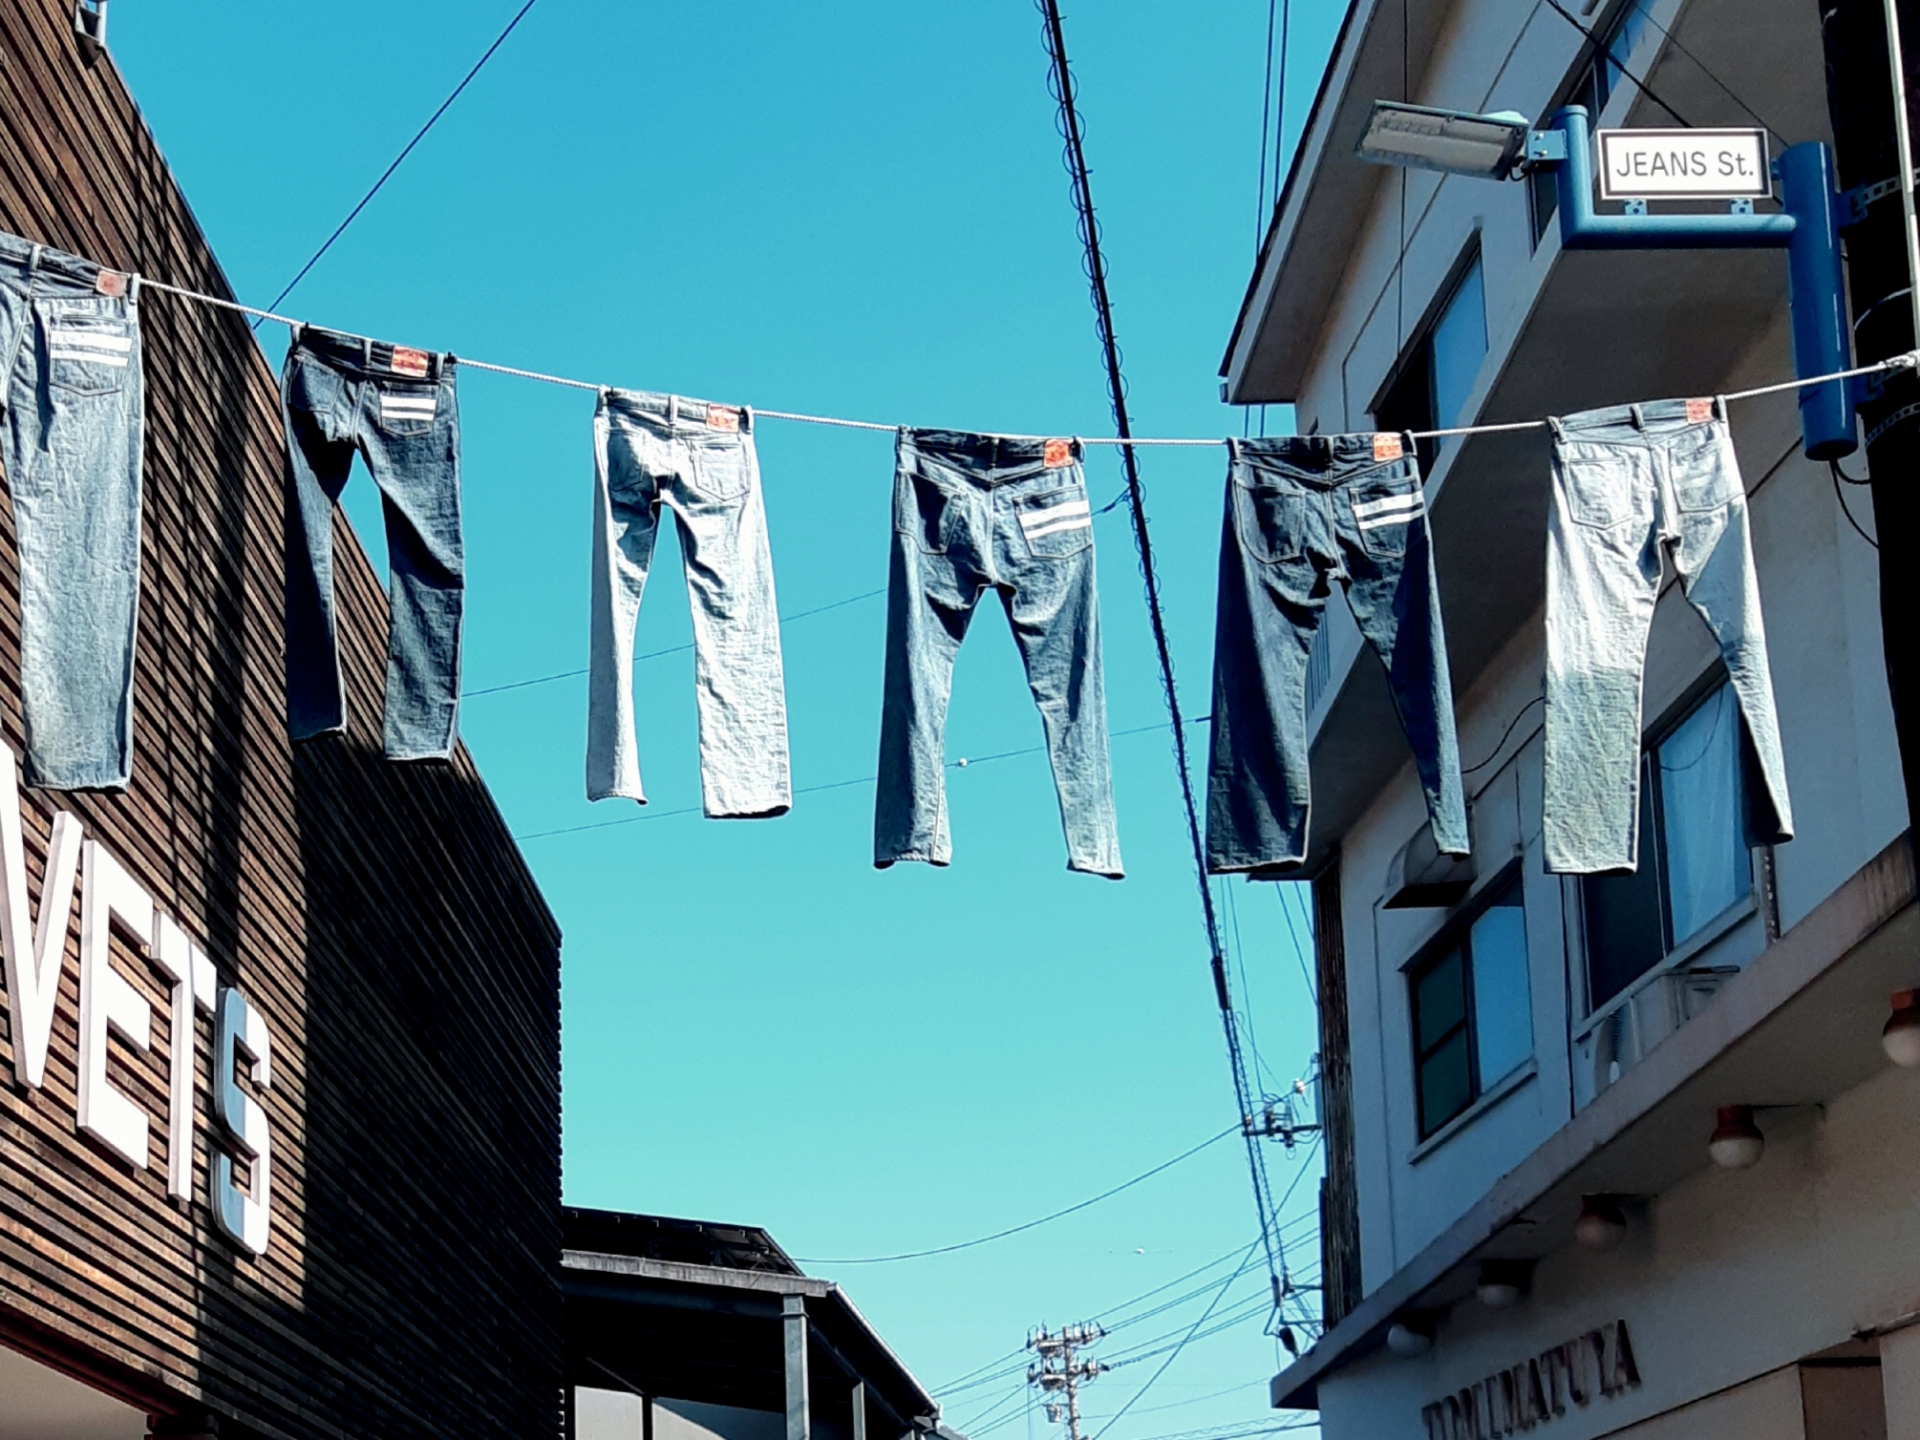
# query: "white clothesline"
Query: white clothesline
1908,361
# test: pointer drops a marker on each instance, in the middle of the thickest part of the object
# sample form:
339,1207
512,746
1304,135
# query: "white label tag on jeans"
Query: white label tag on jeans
395,406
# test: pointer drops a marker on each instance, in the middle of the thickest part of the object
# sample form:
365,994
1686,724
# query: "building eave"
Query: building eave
1325,199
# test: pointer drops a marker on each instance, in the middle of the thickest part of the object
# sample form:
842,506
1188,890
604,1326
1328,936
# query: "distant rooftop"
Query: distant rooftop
686,1242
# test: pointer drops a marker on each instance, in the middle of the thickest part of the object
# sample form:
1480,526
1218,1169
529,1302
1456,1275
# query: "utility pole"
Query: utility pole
1060,1370
1860,104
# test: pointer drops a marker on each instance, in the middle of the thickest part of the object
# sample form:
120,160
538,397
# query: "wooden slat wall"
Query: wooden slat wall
379,915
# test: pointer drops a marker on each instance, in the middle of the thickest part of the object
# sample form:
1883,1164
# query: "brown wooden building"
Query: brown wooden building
377,918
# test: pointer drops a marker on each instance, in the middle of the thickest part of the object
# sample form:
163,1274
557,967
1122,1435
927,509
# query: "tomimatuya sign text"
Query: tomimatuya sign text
35,948
1539,1389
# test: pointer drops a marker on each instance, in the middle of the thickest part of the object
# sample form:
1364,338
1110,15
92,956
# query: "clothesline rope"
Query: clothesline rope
1908,361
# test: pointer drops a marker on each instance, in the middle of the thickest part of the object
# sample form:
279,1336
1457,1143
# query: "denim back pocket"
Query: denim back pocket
1055,523
924,509
1385,507
1703,470
1270,519
720,469
89,346
1598,483
406,409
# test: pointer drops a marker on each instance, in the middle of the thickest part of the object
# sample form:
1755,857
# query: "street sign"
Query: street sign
1684,165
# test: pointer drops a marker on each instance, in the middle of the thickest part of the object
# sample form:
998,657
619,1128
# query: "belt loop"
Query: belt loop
366,352
1233,450
33,260
746,419
1559,430
1720,408
133,289
1639,416
673,412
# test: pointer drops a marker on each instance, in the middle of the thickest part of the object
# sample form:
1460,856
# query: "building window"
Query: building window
1694,861
1438,372
1472,1008
1602,70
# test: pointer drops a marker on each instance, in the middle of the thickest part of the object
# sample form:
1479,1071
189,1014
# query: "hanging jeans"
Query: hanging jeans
398,408
70,337
1630,484
1302,512
973,513
697,460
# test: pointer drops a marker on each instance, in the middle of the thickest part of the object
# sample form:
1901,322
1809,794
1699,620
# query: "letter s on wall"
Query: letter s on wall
246,1215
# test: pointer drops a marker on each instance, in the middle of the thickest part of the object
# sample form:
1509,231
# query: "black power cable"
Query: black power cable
387,174
1061,82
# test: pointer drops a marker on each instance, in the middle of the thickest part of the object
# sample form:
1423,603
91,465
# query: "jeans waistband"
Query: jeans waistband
26,264
1323,462
987,460
1646,422
677,414
362,359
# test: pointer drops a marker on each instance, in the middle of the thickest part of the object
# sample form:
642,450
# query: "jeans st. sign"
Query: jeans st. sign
1684,165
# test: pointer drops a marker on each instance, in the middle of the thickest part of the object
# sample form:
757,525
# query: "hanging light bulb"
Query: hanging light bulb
1736,1142
1502,1283
1409,1338
1601,1226
1901,1037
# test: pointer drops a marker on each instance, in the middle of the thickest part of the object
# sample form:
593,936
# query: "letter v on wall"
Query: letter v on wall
34,953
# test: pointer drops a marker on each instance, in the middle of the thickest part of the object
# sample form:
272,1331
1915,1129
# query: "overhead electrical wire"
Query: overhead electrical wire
965,762
1191,1334
1027,1225
387,174
1060,79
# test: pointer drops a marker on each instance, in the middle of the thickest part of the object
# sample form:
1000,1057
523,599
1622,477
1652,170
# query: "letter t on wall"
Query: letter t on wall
176,955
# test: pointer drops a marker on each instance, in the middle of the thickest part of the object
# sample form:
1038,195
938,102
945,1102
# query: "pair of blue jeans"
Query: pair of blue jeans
972,513
698,460
1304,512
398,408
70,342
1633,484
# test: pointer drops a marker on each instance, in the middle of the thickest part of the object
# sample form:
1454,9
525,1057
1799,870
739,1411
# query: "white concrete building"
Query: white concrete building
1500,1042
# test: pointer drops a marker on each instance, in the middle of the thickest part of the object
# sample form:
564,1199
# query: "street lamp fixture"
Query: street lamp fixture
1454,142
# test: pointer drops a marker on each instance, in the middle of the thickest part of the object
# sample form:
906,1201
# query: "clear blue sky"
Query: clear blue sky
857,209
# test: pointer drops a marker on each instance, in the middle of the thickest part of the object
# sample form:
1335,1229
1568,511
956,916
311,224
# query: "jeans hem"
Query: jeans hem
1106,872
616,793
445,756
765,812
882,862
1217,866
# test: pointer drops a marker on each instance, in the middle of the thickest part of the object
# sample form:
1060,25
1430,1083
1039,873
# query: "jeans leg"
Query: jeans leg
1714,557
737,673
74,417
1603,577
626,522
1396,600
930,600
1054,609
1257,769
419,478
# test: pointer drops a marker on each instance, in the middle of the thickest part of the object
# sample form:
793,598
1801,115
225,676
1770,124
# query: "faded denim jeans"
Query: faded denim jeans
698,460
1303,512
70,338
972,513
1631,484
398,408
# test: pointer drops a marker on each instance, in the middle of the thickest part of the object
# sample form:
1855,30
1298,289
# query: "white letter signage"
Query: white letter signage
33,953
1684,165
107,997
242,1032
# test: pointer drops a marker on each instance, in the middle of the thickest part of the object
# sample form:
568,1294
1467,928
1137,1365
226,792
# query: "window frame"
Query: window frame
1456,934
1653,847
1416,355
1577,86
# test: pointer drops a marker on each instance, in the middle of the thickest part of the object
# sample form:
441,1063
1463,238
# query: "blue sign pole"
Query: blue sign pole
1807,230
